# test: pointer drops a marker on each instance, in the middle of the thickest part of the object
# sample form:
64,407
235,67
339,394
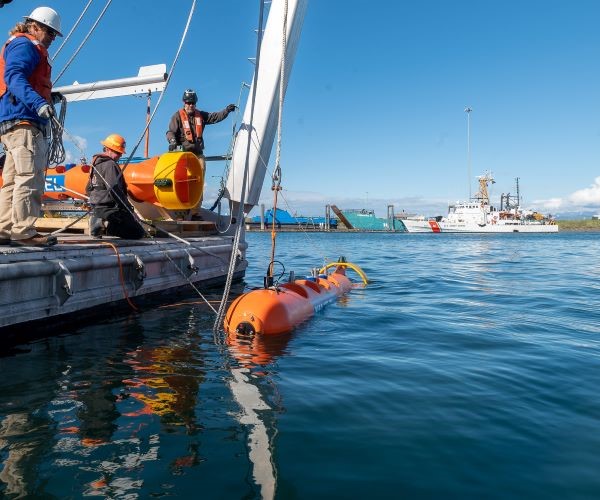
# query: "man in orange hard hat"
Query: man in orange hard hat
25,111
107,191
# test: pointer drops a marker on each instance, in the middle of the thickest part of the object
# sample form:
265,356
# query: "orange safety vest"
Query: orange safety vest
187,130
39,79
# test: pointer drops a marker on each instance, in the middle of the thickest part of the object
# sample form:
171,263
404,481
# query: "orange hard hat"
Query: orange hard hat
115,142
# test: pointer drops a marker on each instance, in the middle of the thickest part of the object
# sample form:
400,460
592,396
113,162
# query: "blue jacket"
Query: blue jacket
21,58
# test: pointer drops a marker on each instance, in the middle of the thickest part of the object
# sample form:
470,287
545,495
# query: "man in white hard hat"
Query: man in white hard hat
25,110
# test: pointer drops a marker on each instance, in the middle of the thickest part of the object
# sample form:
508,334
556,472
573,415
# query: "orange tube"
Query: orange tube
67,185
140,180
276,311
173,180
71,184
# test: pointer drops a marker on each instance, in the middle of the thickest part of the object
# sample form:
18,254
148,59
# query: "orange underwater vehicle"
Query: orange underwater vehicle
173,181
278,309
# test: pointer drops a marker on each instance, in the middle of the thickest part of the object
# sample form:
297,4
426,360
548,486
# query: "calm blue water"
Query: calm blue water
469,368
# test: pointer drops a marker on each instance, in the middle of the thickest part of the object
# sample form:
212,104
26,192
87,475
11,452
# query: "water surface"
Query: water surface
468,368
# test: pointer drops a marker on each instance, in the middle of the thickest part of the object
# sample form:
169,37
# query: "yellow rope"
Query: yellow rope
354,267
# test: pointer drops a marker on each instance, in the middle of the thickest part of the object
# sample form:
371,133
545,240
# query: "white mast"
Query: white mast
266,106
468,111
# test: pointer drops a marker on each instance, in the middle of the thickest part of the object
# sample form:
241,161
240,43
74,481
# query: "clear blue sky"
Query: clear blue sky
374,113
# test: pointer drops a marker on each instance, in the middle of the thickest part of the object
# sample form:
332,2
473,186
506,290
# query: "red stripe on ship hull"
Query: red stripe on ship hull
435,227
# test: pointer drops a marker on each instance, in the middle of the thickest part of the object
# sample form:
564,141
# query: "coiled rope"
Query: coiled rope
56,149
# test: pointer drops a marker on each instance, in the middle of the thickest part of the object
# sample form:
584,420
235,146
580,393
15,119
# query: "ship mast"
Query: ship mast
508,202
468,111
483,194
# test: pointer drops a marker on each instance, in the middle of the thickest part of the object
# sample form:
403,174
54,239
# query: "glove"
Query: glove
56,97
46,111
172,147
230,108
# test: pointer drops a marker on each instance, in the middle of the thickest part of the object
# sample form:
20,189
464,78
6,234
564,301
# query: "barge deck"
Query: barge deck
81,273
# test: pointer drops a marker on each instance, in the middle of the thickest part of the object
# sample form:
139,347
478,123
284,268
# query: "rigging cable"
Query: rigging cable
59,125
222,186
240,225
82,43
264,165
72,30
169,75
141,221
276,185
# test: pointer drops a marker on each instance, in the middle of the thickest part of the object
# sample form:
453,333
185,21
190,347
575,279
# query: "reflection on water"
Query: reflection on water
252,351
103,412
469,359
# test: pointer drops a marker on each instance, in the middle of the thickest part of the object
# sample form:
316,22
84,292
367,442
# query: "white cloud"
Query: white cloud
75,148
550,204
582,200
589,196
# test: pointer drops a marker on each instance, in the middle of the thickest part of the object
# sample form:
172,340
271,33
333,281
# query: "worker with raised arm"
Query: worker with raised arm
25,111
187,124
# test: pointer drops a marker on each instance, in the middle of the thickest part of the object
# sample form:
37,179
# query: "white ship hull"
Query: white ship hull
479,216
430,226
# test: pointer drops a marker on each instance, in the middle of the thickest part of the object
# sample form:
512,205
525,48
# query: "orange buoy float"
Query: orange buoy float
278,309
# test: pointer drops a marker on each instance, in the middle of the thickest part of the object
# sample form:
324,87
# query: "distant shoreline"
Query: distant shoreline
586,225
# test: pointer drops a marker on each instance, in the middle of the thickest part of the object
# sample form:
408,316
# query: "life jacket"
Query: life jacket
187,130
39,79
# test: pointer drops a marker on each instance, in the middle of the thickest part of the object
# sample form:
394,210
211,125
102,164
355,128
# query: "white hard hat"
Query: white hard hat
46,16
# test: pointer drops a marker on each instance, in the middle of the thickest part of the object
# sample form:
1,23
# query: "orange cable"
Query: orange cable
116,250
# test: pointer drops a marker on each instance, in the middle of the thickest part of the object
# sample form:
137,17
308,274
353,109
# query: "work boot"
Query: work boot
37,240
96,227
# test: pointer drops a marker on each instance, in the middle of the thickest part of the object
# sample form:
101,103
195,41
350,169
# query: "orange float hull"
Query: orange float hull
173,180
71,184
276,311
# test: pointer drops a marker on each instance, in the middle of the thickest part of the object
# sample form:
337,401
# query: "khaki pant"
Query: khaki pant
23,181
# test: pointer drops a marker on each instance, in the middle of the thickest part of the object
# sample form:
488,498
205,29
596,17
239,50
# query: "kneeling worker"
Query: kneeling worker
107,191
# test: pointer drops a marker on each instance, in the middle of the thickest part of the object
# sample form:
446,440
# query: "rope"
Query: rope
263,164
141,222
72,30
72,223
230,152
82,43
56,149
168,80
84,196
276,186
71,138
236,240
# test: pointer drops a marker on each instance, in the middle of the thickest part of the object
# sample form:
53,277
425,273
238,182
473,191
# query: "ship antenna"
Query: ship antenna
468,111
